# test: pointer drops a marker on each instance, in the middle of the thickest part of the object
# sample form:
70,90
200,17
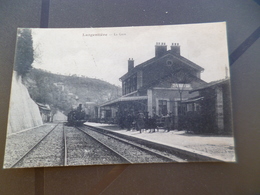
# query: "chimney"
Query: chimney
175,48
130,64
160,49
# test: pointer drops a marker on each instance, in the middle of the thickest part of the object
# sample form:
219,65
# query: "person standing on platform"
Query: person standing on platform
167,123
129,122
140,122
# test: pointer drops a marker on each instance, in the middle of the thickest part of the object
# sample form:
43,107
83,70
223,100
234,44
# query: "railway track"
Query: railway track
64,145
71,146
135,153
83,149
174,153
45,152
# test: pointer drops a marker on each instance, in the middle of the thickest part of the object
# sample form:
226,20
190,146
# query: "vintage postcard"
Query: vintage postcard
122,95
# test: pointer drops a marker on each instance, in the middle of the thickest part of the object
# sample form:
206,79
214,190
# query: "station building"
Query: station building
156,86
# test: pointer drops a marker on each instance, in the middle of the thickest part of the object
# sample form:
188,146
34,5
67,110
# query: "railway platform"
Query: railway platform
218,147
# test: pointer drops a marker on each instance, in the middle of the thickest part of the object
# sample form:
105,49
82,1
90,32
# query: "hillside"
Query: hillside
64,92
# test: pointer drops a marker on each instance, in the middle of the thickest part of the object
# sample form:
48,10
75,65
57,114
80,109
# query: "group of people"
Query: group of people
142,121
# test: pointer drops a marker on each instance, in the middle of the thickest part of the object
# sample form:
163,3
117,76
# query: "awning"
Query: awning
192,100
125,99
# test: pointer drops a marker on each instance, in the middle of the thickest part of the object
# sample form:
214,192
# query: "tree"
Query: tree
181,79
24,52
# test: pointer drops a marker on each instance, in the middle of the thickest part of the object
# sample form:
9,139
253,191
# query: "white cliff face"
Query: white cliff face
23,111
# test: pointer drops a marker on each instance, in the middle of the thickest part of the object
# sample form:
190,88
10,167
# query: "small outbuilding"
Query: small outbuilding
45,112
210,112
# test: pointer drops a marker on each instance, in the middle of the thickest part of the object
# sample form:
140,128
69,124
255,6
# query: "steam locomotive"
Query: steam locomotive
76,117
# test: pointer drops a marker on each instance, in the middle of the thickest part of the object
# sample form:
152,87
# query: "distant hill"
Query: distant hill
64,92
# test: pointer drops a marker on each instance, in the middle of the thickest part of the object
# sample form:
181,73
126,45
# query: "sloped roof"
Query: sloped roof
125,99
213,83
154,59
43,106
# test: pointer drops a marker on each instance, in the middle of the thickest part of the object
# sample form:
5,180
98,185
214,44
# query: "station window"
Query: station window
108,113
197,107
130,85
163,107
189,107
124,88
182,109
134,83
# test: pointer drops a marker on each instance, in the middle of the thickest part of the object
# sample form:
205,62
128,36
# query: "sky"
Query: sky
105,55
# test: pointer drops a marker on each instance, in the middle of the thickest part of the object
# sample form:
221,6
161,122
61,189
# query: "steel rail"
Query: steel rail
139,147
65,147
105,145
33,147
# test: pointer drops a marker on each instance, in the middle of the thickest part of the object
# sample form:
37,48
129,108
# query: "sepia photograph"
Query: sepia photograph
120,95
